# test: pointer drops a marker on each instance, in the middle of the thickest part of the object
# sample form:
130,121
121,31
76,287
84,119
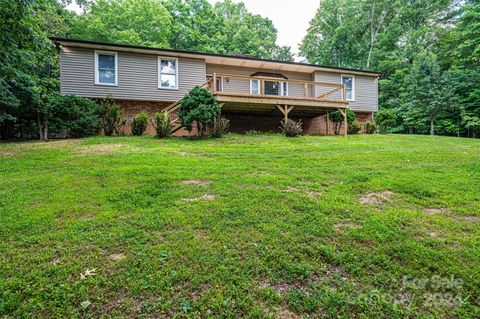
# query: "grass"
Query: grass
256,226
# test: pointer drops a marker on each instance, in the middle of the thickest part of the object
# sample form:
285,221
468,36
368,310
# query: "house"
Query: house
255,94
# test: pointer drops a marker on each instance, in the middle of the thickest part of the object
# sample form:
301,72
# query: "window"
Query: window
219,84
349,82
276,88
284,91
254,86
106,68
167,73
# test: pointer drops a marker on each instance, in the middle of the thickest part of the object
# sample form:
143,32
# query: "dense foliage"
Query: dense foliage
139,124
163,124
111,116
429,51
77,116
198,106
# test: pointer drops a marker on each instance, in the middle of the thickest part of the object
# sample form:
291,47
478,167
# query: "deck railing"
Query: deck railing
262,86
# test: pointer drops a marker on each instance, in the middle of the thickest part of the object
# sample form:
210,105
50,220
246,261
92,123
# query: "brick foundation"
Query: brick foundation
239,122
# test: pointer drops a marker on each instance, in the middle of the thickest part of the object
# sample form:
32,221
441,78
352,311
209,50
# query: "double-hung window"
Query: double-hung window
254,86
167,73
349,82
106,70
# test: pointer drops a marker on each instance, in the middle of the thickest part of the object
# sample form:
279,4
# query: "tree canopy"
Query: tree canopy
429,51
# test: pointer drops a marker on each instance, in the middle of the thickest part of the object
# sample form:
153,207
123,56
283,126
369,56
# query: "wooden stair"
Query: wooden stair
173,108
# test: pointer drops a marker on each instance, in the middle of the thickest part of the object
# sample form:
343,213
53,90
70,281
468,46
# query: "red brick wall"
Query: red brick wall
239,123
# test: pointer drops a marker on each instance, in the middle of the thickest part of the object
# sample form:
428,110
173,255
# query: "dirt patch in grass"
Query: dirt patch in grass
436,211
100,149
342,226
283,313
117,257
87,216
8,153
471,219
206,197
195,182
380,198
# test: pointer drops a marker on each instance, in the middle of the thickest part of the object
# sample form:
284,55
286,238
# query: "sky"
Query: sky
290,17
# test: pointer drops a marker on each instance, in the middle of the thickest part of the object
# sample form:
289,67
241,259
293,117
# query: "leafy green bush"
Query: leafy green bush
78,116
198,106
337,119
370,127
220,126
111,116
354,127
291,128
385,119
139,124
163,124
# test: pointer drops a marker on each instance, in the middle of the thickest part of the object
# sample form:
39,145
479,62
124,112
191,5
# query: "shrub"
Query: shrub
385,119
354,127
291,128
163,124
139,124
220,126
111,116
198,106
78,116
337,119
370,127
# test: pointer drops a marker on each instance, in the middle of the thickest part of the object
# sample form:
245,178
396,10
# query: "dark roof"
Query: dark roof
244,57
270,75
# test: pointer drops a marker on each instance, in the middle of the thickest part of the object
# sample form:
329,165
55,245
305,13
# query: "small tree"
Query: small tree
338,119
385,120
199,106
163,124
139,124
111,116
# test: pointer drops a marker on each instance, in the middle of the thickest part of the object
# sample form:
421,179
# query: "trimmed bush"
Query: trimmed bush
163,124
370,127
139,124
354,127
111,116
78,116
385,120
198,106
291,128
220,126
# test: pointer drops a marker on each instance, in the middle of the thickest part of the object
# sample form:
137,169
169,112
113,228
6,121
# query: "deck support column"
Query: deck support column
345,120
285,110
328,122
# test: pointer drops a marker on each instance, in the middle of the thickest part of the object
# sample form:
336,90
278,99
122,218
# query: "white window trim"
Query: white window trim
220,79
281,91
160,58
353,85
259,87
97,75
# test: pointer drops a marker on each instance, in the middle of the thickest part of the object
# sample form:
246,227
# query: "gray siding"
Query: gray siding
137,76
366,90
243,86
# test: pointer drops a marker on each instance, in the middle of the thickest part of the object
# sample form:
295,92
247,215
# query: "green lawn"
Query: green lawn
256,226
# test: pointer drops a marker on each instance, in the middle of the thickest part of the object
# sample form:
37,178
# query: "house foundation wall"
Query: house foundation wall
239,122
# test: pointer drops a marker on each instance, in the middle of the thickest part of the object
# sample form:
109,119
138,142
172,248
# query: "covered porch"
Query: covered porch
274,96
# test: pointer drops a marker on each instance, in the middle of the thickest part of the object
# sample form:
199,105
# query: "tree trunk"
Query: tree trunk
40,128
432,126
45,134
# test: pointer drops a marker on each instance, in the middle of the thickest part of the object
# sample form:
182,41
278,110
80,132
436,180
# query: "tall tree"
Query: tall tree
138,22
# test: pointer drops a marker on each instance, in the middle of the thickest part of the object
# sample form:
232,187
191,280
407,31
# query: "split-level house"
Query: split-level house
255,94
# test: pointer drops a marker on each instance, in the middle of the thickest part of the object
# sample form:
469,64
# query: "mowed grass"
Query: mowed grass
256,226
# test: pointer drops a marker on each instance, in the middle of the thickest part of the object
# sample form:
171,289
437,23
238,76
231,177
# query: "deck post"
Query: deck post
285,110
345,121
214,82
306,89
328,121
